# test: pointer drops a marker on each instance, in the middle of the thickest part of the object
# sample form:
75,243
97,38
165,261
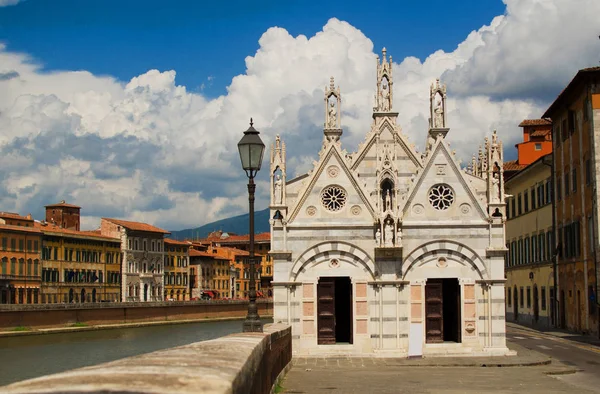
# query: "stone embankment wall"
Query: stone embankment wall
37,316
245,363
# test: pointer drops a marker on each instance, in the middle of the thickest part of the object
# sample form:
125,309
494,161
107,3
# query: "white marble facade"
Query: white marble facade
387,225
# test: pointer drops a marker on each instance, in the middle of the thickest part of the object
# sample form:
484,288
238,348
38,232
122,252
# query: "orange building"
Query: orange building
20,267
575,118
537,140
64,215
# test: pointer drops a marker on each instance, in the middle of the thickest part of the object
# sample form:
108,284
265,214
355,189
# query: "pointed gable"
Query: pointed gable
442,192
332,184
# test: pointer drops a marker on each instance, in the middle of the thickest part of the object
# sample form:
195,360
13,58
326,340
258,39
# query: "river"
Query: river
30,356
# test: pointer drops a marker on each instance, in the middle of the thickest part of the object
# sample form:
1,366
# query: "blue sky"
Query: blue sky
132,109
204,39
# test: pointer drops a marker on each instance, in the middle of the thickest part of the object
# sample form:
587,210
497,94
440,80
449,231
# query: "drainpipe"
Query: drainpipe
554,254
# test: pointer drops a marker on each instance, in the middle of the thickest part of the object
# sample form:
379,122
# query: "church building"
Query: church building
385,250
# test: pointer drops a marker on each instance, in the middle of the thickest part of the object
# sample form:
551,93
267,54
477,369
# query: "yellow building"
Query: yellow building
529,237
177,270
79,266
19,259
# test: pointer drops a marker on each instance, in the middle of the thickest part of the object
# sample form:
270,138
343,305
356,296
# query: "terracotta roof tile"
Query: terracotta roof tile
48,228
199,253
540,133
175,242
535,122
513,166
62,204
137,226
261,237
11,215
19,228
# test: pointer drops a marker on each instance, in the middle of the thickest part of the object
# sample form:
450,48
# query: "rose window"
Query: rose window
441,197
333,198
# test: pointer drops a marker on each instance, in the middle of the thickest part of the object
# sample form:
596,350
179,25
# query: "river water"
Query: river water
30,356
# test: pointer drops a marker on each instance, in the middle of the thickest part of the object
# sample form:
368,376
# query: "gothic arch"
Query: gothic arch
341,250
445,248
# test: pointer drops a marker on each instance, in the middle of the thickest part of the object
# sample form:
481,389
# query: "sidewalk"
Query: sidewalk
559,333
350,374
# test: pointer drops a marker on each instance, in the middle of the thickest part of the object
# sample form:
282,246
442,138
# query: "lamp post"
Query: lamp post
251,150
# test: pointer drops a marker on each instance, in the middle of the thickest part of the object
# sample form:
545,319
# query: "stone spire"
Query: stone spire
437,111
384,96
333,111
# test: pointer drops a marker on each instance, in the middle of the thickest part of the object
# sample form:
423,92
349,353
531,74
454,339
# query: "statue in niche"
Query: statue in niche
278,190
438,114
388,201
399,237
378,238
385,105
495,188
389,234
332,118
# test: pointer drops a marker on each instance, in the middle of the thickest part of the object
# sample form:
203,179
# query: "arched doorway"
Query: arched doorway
71,295
94,295
515,304
536,304
82,295
145,291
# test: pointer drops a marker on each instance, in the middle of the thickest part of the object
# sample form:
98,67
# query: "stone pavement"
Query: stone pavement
529,370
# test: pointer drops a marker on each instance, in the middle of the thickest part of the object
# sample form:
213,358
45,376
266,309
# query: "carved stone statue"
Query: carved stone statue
389,234
438,116
332,118
495,188
385,105
278,190
399,237
378,238
388,201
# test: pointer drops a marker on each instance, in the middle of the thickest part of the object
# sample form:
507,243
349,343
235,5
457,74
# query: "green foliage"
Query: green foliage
278,388
21,328
237,225
79,324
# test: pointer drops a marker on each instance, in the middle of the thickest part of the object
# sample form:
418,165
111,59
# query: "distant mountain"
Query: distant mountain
237,224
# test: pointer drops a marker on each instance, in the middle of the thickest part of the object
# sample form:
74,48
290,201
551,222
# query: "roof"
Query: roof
62,204
12,215
577,79
171,241
53,229
535,122
513,166
262,237
137,226
540,133
9,227
199,253
527,168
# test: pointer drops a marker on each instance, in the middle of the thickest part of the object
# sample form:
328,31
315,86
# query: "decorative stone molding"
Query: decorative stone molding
333,171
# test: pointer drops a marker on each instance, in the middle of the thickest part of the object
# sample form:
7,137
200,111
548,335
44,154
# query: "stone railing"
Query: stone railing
245,363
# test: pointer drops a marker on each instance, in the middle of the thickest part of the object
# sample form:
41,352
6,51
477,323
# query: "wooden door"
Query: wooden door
434,321
326,311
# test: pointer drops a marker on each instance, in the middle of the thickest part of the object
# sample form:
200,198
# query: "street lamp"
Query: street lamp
251,153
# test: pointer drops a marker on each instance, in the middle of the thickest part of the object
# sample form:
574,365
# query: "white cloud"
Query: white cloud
6,3
153,151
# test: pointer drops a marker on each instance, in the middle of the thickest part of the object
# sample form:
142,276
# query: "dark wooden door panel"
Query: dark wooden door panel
434,322
326,311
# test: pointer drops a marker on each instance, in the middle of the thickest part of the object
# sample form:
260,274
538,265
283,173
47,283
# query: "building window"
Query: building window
528,297
514,252
527,251
533,200
520,252
509,298
526,200
592,300
543,298
574,176
588,172
538,146
558,188
21,245
534,252
519,206
513,208
571,121
541,247
521,298
441,197
567,186
333,198
590,232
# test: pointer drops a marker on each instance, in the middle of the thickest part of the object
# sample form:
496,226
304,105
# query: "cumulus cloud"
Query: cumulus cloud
150,150
6,3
